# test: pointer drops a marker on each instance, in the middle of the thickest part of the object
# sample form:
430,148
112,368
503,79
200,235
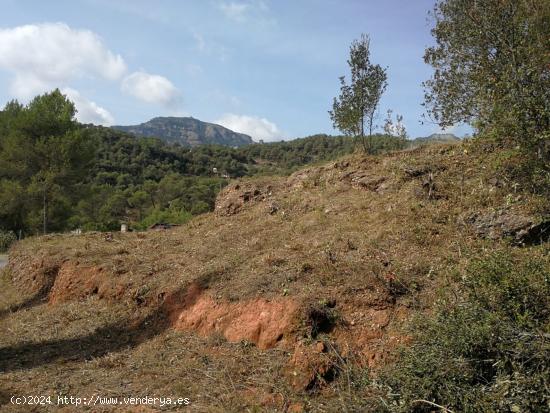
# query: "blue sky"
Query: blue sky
267,68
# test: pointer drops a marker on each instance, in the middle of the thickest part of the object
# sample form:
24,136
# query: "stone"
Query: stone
523,229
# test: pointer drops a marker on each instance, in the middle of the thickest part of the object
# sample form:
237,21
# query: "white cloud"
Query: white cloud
50,55
88,111
210,47
246,11
151,88
235,10
199,41
45,56
257,128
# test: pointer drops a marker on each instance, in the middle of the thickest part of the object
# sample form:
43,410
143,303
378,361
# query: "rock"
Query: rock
232,199
524,230
273,208
415,172
341,165
496,182
418,171
370,183
320,347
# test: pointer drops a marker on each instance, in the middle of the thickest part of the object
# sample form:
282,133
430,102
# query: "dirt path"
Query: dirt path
3,260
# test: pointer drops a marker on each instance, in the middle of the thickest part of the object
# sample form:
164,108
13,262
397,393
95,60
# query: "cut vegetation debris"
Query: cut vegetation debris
294,295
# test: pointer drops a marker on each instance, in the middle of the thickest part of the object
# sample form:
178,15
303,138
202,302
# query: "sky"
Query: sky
266,68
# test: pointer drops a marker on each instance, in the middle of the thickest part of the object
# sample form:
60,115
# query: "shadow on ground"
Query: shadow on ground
111,338
39,298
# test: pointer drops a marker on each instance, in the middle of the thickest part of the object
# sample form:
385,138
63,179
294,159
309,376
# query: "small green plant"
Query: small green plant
488,351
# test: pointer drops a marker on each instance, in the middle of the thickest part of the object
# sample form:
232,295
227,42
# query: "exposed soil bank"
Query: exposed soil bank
259,321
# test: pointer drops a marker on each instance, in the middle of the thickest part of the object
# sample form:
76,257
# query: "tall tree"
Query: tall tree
491,66
44,153
354,110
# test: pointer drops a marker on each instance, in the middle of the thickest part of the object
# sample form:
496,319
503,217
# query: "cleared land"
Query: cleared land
286,298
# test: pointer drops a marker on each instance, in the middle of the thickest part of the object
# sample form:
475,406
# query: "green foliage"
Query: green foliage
490,351
44,155
491,69
286,157
6,239
94,178
171,215
354,109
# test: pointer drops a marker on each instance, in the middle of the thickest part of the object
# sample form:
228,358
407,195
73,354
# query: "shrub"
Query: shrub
6,239
166,216
489,352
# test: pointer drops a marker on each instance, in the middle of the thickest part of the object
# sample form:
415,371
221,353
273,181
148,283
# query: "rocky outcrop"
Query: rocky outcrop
187,132
522,229
233,198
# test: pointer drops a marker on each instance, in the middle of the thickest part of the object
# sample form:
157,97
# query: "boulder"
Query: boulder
522,229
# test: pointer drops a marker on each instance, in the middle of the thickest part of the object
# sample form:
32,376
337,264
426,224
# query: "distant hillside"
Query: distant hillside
187,132
435,138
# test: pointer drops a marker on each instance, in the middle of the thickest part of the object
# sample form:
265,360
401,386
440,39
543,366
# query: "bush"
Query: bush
6,239
165,216
490,352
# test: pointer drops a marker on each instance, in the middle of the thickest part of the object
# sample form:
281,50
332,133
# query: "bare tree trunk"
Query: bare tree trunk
371,115
45,211
363,140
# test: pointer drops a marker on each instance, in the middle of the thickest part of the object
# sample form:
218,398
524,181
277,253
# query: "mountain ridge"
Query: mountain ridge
187,131
436,137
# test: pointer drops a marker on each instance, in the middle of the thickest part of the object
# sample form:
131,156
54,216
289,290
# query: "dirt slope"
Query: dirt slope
269,302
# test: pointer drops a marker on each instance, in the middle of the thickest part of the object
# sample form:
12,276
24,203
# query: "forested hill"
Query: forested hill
58,175
187,132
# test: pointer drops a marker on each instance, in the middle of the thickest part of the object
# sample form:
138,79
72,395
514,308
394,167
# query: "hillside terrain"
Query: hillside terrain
98,178
187,132
178,266
296,293
435,138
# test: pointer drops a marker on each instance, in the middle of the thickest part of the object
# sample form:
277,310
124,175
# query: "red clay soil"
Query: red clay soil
74,282
311,365
266,323
259,321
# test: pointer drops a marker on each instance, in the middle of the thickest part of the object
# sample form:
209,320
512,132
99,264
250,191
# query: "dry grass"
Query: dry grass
362,233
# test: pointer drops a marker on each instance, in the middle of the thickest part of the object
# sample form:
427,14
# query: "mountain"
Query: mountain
436,138
187,132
